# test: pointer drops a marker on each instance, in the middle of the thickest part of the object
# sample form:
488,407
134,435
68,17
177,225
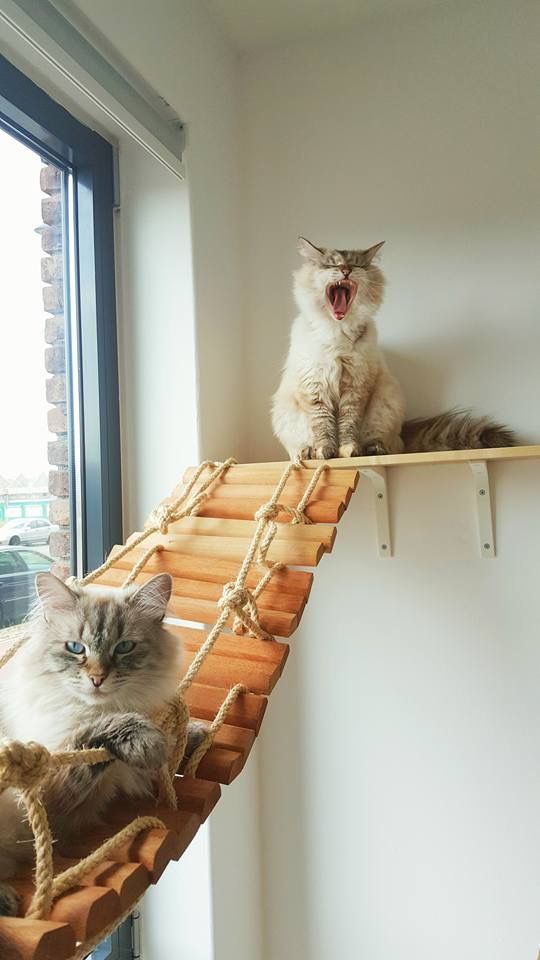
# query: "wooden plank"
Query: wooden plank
22,939
128,880
231,645
318,510
86,909
224,672
196,795
247,711
296,582
297,554
179,822
221,765
324,533
262,493
270,598
153,848
235,738
525,452
271,473
277,622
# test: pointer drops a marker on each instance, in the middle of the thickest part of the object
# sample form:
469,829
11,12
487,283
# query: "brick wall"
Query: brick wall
52,274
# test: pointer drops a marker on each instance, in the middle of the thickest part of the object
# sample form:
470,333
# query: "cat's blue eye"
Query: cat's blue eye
74,646
125,646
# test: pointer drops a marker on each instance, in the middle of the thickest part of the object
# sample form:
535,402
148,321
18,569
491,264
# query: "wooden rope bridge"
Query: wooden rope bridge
232,537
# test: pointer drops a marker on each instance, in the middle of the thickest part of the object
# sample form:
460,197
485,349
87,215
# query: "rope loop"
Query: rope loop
268,511
23,765
234,597
160,517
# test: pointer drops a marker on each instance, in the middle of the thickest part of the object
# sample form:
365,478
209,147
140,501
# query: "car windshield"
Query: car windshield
15,523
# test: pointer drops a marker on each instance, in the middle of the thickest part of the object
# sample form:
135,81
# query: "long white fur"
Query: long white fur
321,349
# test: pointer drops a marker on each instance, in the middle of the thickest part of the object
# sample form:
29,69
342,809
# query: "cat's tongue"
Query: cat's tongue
340,301
339,296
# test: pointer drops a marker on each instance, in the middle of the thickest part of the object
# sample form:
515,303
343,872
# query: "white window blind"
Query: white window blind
51,30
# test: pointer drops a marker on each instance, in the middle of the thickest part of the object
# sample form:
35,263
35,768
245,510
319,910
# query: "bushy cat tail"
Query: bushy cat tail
455,430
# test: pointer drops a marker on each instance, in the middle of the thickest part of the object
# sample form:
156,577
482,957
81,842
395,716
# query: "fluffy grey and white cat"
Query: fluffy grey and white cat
95,667
337,396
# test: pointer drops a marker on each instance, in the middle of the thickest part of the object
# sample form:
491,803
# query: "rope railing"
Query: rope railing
28,767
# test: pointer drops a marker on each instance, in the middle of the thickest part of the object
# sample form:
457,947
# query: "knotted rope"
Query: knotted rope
159,519
27,767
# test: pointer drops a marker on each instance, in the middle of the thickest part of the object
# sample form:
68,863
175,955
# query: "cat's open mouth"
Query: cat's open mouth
339,297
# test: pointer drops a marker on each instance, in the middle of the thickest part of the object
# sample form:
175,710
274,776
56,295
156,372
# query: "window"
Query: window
34,561
59,357
9,563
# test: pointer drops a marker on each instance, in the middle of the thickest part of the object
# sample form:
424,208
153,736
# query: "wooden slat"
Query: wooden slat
169,560
197,795
22,939
235,738
153,848
277,622
270,598
221,765
231,645
87,909
195,798
318,510
323,533
247,711
304,554
262,493
219,671
128,880
270,474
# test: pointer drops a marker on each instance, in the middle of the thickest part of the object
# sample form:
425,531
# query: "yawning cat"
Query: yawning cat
337,396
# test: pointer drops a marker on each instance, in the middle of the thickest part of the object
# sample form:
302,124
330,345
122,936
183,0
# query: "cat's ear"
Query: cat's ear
54,595
308,250
369,255
152,598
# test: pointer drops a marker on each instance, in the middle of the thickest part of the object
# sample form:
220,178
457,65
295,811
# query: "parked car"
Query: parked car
18,568
26,531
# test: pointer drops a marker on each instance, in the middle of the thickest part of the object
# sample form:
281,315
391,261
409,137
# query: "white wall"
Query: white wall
399,757
156,338
399,774
421,130
179,50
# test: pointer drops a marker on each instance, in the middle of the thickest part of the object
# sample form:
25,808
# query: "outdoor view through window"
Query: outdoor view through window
34,475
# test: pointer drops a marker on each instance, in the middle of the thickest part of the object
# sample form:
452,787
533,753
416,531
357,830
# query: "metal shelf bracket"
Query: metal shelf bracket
486,536
377,478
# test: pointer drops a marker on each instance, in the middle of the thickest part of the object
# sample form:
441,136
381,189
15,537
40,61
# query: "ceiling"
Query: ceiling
254,24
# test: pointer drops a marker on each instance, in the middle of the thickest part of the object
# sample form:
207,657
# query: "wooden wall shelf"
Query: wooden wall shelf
374,470
531,452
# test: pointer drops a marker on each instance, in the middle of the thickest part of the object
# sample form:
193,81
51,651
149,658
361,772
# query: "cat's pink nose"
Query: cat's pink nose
98,679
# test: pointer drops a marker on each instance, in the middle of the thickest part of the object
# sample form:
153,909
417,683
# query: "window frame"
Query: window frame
33,117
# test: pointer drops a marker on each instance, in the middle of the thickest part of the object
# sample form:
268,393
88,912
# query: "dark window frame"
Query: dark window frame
34,118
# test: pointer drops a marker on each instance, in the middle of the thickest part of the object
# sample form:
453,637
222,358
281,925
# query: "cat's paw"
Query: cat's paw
375,448
134,740
9,901
196,734
326,451
348,450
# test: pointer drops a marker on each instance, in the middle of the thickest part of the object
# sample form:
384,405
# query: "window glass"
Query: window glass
9,562
34,561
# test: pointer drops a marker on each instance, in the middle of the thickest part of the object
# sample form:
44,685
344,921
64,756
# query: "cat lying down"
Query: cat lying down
95,667
337,397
